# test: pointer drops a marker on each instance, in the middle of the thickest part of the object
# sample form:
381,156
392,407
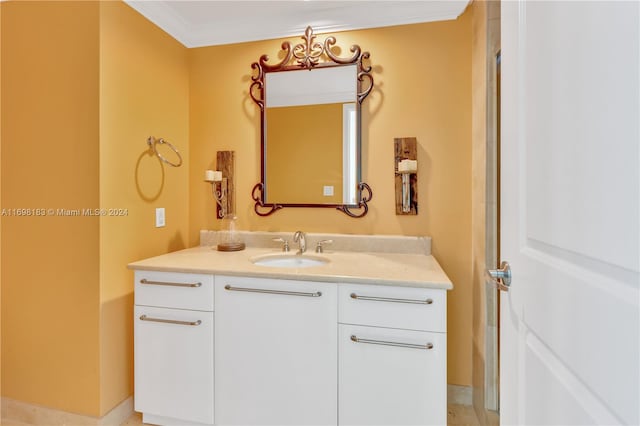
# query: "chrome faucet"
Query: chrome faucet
300,237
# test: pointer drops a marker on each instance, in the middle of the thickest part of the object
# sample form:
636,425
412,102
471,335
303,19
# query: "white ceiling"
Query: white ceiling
213,22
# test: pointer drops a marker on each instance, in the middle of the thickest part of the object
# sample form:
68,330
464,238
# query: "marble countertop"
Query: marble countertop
403,269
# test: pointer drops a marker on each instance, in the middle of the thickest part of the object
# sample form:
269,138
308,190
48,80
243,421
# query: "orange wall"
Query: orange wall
50,131
77,108
0,209
423,89
144,91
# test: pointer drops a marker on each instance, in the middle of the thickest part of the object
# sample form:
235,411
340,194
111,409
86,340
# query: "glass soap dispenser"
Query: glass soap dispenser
229,238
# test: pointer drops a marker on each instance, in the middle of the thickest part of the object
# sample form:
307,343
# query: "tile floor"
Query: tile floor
461,415
457,415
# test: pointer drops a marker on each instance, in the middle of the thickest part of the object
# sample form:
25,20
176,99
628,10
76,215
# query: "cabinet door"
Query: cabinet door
276,352
174,363
380,384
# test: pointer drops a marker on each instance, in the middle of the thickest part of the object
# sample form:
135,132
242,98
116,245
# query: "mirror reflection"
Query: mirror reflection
310,142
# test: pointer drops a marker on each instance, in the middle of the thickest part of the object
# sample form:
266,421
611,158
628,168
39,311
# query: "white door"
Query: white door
570,213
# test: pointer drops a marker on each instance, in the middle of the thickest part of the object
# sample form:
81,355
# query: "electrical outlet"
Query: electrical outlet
327,191
160,222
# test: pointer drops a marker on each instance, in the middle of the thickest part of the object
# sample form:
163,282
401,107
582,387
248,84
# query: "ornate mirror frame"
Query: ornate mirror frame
308,55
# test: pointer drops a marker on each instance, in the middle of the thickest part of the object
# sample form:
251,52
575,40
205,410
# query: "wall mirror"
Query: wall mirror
310,104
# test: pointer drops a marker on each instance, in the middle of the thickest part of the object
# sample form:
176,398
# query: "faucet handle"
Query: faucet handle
285,243
320,244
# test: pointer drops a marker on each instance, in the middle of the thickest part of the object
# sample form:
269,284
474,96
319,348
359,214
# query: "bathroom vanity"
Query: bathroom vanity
357,339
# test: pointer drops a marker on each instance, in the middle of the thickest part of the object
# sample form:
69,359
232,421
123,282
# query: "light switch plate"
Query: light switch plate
160,219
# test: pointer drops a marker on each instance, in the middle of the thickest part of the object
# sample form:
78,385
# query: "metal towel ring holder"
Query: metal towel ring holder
152,142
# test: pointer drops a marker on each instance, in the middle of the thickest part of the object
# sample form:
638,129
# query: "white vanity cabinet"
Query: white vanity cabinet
174,359
287,352
276,352
392,356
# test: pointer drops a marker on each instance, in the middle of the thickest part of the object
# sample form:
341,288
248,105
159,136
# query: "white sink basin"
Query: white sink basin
289,260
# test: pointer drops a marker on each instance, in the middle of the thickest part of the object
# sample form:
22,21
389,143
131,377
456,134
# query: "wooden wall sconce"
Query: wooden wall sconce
406,176
222,183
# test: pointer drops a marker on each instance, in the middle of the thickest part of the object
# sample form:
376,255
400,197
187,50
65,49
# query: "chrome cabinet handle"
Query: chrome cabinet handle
391,299
259,290
387,343
146,281
168,321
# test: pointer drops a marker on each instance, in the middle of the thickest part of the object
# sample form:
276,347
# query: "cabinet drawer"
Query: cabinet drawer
395,307
174,290
391,377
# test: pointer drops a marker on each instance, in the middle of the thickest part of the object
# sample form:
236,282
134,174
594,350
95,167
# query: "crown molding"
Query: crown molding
209,23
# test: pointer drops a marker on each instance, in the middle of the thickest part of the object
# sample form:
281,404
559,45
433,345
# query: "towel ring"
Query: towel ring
151,141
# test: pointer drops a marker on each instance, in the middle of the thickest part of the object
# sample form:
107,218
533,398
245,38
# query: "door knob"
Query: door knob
501,277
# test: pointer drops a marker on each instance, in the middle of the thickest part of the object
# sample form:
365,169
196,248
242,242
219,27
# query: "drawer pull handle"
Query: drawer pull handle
168,321
260,290
386,343
146,281
391,299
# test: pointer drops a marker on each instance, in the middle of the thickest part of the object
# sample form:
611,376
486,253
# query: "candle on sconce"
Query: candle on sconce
212,176
408,166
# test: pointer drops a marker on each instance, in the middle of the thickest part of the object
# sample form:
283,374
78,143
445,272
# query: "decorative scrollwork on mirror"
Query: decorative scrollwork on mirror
298,170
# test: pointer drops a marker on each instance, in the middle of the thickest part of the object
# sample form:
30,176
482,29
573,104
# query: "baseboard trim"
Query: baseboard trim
31,414
119,414
461,395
